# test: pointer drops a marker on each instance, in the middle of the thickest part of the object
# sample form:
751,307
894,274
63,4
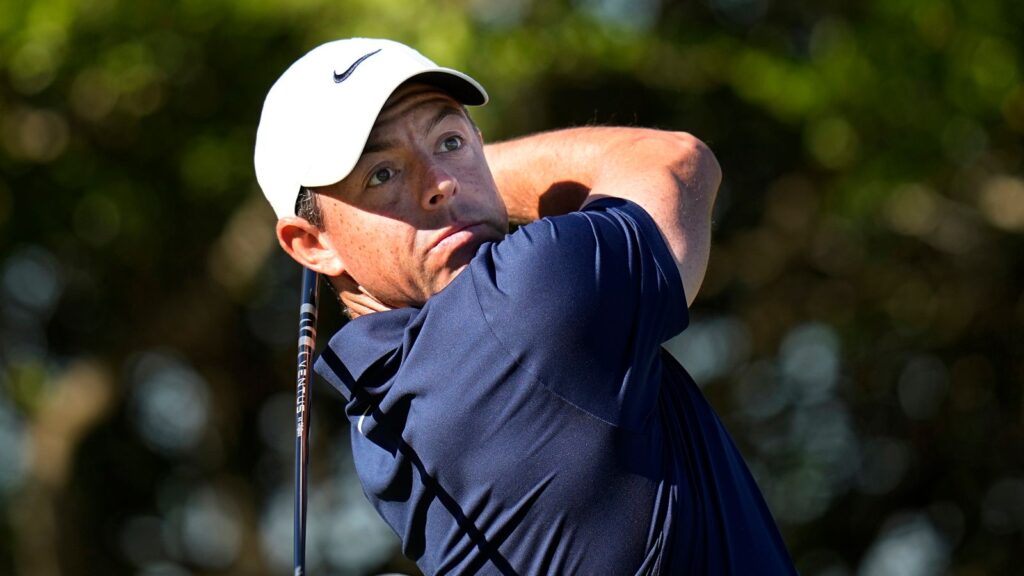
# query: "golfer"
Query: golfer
512,409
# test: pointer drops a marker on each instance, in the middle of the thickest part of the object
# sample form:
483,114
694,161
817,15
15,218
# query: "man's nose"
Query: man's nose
441,186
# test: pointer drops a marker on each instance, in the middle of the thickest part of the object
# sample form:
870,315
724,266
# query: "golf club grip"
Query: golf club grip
303,401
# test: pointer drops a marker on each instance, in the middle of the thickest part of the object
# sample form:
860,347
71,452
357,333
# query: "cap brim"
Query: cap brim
460,86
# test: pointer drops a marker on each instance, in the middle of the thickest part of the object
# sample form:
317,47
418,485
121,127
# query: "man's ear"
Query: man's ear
309,246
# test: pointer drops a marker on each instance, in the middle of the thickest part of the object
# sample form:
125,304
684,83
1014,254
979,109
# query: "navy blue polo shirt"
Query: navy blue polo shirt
527,421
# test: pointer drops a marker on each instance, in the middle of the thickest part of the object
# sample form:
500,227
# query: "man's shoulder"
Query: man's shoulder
555,242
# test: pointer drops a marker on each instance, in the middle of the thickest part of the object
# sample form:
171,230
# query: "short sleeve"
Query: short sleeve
583,302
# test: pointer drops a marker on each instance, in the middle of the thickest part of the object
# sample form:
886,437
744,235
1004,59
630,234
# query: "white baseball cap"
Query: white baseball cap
319,113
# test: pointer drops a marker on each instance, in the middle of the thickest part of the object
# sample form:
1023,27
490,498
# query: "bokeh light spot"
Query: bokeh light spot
210,531
93,94
14,464
809,357
758,392
35,135
833,142
32,280
207,166
32,67
170,402
994,65
799,496
1002,202
276,533
909,545
636,14
912,210
825,438
711,348
499,12
355,537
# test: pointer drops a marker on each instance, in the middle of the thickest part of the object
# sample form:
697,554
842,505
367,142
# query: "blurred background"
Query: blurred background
861,328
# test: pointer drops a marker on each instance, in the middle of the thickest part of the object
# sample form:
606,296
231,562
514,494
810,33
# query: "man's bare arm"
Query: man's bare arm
672,175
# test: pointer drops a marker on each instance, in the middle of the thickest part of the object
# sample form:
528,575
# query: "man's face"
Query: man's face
421,200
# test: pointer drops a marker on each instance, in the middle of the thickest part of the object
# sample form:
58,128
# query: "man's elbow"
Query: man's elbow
697,175
689,160
696,165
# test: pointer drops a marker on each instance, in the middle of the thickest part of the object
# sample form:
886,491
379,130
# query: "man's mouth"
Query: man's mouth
456,236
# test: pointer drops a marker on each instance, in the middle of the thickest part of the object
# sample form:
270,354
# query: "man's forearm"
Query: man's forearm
672,175
549,173
552,173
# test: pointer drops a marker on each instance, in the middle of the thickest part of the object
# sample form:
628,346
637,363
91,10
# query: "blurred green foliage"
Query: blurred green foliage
861,329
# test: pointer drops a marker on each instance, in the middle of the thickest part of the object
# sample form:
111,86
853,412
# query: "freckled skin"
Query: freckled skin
422,175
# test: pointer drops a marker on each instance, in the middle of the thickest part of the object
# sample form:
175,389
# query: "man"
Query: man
512,409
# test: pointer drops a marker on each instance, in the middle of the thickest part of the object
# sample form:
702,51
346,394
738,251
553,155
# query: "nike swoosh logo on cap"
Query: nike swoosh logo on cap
339,78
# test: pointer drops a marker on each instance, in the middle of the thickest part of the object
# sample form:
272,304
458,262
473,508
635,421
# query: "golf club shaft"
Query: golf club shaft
303,401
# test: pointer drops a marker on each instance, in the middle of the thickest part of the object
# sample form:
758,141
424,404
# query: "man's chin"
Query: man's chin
461,254
458,261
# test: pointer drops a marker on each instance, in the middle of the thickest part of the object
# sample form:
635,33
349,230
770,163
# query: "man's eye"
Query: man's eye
451,143
381,176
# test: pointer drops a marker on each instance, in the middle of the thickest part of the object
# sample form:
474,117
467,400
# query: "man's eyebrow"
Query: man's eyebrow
373,146
378,145
441,115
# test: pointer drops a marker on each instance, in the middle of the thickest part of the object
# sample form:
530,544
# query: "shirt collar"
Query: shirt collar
370,346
